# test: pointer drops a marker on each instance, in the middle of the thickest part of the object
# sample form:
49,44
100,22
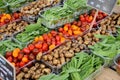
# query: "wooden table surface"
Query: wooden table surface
108,74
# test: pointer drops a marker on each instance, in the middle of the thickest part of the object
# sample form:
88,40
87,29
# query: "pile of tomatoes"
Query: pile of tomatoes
6,18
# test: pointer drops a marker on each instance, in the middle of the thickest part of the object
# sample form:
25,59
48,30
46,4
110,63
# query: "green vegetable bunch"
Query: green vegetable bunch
76,4
56,13
9,45
109,46
31,31
79,68
10,5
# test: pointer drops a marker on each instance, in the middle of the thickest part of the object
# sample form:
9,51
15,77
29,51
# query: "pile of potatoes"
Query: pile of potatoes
13,27
34,7
62,54
34,72
110,23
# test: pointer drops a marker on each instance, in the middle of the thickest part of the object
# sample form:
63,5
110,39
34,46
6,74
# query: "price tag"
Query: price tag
7,71
103,5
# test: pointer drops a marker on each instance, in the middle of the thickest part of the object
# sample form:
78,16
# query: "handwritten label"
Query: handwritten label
7,71
103,5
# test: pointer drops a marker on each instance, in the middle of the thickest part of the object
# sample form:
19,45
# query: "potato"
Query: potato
42,66
62,60
38,57
46,71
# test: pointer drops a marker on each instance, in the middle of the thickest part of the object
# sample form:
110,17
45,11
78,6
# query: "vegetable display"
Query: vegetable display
54,39
79,68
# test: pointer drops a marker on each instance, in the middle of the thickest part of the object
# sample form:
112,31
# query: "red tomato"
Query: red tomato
20,56
35,51
17,64
16,15
38,45
75,23
1,24
45,47
26,50
82,19
48,40
57,38
58,42
10,59
87,18
60,29
53,42
68,25
45,36
8,54
83,29
54,33
31,47
22,64
6,20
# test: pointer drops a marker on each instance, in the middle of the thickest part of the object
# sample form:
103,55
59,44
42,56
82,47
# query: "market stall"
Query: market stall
59,40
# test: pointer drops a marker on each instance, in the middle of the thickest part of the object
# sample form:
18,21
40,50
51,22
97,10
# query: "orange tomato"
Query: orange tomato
36,39
74,27
70,32
52,46
40,38
13,63
8,16
77,32
16,52
62,39
65,28
50,35
24,59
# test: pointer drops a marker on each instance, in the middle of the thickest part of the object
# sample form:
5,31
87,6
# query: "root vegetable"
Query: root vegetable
49,57
62,60
20,76
25,69
27,76
45,57
69,55
46,71
56,55
38,57
55,61
42,66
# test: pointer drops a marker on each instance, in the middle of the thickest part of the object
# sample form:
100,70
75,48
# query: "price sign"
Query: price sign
103,5
7,71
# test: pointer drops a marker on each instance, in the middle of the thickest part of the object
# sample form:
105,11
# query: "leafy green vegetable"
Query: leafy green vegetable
79,68
31,31
76,4
9,45
108,47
